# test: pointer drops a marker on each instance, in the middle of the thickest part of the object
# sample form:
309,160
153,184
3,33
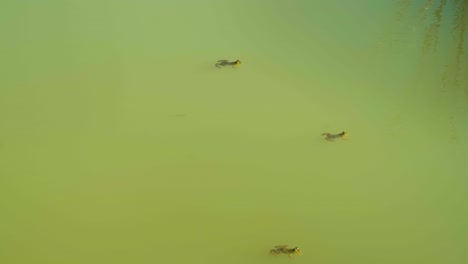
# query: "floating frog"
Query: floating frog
283,249
332,137
227,63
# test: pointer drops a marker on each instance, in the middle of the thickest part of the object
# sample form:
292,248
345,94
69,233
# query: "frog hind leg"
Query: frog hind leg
221,63
274,252
281,246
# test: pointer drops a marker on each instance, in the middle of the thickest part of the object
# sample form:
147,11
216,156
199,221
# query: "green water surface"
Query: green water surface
120,142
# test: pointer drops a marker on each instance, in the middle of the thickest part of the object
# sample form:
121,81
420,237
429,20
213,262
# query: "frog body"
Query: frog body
332,137
283,249
227,63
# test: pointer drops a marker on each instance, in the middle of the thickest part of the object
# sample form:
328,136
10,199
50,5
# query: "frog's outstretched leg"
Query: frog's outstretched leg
221,63
274,252
326,136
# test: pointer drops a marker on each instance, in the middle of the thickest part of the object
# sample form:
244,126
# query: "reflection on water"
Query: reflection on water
432,33
460,28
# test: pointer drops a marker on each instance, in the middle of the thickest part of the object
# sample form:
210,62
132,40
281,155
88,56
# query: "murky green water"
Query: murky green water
120,142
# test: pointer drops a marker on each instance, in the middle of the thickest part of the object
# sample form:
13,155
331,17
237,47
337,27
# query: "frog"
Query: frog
332,137
283,249
227,63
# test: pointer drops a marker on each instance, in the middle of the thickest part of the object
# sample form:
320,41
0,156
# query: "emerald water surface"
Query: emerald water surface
120,142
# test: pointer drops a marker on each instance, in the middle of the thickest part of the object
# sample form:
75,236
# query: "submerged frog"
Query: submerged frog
283,249
332,137
227,63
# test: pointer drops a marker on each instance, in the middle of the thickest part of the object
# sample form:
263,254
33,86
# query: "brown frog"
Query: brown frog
227,63
283,249
332,137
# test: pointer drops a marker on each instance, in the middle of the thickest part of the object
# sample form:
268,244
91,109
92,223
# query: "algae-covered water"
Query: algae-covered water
120,142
